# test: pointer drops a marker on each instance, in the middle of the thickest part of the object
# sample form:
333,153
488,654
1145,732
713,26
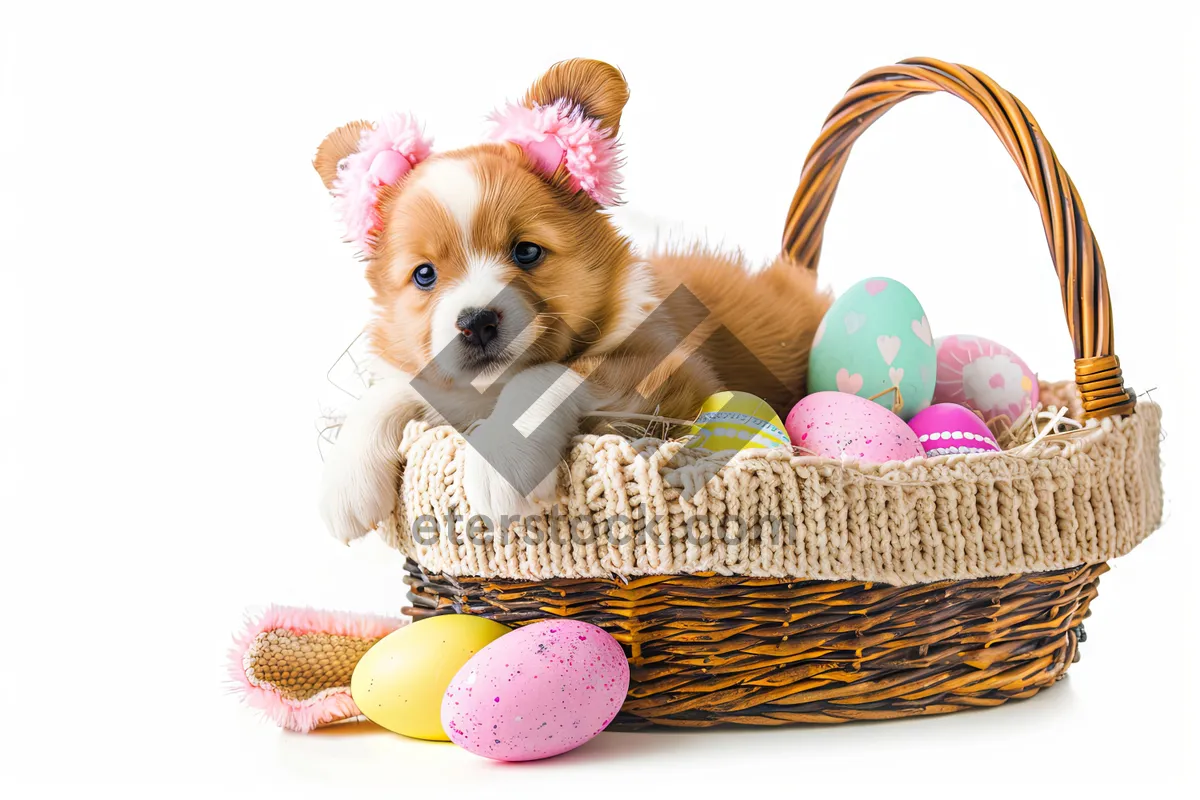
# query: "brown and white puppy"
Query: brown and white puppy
506,297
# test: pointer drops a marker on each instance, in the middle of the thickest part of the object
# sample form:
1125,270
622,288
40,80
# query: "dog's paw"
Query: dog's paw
357,492
545,494
490,492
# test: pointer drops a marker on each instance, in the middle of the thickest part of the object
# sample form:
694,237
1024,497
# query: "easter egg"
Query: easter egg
984,376
946,428
875,341
544,689
737,421
398,684
850,428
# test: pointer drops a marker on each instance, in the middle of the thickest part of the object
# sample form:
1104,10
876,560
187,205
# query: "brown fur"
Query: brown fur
756,339
771,315
337,145
598,88
586,257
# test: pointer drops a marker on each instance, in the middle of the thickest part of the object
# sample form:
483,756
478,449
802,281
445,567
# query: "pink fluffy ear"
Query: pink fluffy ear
560,134
386,153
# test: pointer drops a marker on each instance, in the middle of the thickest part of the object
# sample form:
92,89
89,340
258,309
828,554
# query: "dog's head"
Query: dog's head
498,255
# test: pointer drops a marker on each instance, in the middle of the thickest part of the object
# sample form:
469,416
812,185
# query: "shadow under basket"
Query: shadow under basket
705,650
926,587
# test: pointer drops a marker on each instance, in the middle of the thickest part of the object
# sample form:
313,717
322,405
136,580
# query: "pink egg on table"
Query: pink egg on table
983,376
539,691
850,428
946,428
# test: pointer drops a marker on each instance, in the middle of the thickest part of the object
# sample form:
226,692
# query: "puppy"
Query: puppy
509,306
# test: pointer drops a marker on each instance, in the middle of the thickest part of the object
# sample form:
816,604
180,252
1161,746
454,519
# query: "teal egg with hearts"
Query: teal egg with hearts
875,342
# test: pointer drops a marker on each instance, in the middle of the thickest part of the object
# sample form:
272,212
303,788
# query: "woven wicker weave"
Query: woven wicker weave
706,650
892,590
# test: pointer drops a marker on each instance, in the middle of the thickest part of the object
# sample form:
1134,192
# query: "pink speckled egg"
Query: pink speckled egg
850,428
983,376
537,692
946,428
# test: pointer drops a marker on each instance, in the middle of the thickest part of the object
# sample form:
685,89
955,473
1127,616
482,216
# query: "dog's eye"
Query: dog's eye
528,255
425,276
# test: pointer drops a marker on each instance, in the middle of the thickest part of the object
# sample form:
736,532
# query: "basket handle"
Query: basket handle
1076,255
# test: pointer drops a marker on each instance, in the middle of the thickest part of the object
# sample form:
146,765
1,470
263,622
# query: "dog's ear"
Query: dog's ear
597,88
337,145
567,125
359,160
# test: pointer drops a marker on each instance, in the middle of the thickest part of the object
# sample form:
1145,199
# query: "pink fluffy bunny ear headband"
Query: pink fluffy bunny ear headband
560,134
552,136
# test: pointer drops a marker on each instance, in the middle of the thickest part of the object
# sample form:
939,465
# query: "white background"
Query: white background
173,290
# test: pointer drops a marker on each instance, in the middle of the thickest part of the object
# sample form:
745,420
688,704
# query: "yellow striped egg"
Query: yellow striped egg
737,421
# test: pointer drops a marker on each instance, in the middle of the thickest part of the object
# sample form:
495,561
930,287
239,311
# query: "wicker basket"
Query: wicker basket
933,586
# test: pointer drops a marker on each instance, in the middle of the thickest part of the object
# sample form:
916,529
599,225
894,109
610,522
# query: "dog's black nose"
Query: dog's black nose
478,326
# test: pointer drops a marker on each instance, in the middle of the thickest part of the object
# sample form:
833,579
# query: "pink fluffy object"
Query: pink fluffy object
385,155
333,703
560,133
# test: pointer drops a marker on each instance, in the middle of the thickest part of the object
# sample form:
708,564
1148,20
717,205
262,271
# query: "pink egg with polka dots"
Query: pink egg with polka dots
947,429
983,376
539,691
850,428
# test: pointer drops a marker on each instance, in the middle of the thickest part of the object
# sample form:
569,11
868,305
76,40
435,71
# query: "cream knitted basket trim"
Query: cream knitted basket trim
1081,500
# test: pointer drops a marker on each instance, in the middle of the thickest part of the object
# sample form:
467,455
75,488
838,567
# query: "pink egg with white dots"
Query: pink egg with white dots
539,691
850,428
983,376
948,429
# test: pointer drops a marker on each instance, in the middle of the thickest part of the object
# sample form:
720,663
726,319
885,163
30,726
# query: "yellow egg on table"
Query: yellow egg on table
398,684
737,421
